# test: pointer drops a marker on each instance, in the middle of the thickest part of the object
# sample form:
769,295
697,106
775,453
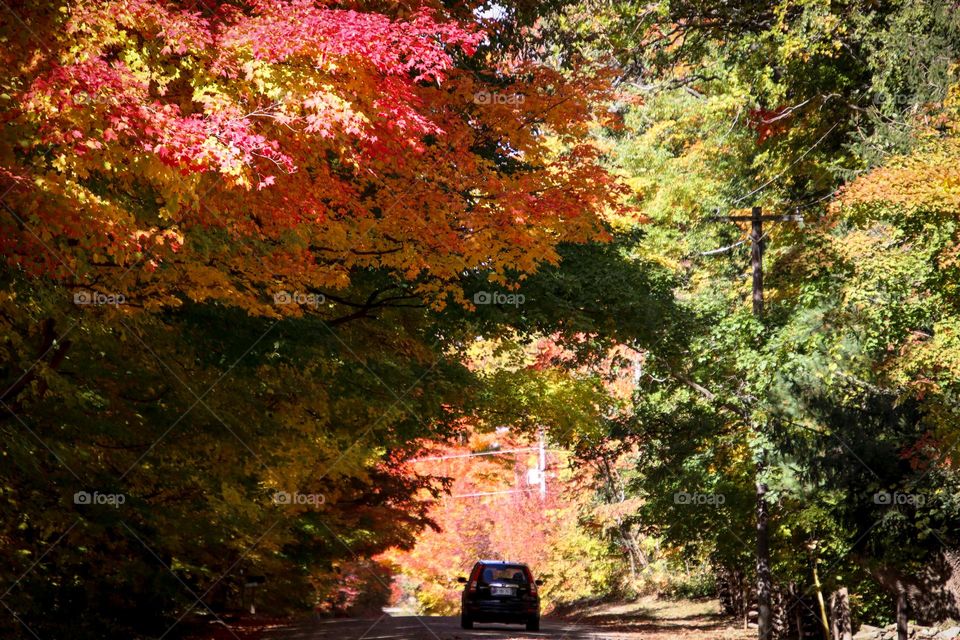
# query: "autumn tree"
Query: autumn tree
204,211
780,105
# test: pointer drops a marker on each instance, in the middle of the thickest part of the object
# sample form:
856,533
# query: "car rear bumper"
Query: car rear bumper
500,611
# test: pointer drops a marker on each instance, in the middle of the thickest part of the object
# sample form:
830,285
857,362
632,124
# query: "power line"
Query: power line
474,455
790,166
484,453
493,493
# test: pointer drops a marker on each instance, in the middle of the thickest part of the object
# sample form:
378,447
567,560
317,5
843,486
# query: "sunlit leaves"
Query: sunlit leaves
288,145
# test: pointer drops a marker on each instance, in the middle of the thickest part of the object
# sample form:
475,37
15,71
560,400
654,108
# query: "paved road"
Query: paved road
407,627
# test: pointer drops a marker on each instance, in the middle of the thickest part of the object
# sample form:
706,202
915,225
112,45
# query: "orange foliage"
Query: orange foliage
515,526
231,153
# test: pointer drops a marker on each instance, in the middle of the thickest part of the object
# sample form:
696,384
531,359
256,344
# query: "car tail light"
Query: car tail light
474,578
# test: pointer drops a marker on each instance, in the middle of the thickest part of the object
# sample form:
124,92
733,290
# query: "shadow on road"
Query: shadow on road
409,627
692,622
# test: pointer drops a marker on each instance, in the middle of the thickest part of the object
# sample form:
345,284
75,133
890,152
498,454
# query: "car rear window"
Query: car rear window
515,573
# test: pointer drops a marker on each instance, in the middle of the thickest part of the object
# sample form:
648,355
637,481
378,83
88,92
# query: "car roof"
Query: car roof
515,564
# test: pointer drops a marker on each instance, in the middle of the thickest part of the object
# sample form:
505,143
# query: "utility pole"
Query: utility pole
764,575
756,259
542,467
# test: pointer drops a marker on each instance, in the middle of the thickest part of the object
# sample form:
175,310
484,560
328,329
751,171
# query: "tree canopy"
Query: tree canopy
259,258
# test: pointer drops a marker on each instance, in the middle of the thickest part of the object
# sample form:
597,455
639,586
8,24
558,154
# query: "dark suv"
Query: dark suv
499,591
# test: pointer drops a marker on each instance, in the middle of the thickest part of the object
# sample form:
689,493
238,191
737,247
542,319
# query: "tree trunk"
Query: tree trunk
841,626
764,579
824,622
795,597
902,613
637,557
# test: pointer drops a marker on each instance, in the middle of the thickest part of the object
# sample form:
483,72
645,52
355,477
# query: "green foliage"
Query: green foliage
912,62
701,584
846,388
578,566
870,604
197,419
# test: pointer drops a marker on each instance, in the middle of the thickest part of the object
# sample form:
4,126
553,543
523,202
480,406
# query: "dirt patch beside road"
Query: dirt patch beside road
651,618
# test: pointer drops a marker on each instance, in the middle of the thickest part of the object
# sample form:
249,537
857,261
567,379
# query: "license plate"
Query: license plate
501,591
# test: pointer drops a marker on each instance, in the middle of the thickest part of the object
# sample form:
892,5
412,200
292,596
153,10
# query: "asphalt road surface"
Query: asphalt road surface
408,627
647,618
